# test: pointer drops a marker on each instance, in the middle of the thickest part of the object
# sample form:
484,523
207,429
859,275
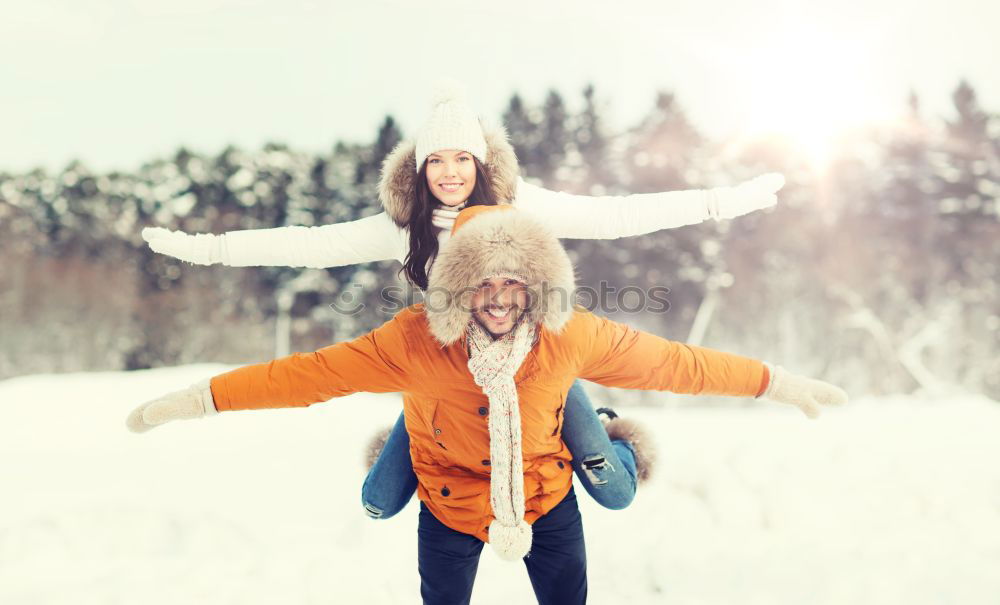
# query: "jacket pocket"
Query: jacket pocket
461,493
460,435
542,418
436,426
560,413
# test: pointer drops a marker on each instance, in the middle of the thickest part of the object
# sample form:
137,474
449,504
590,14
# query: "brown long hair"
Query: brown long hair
423,234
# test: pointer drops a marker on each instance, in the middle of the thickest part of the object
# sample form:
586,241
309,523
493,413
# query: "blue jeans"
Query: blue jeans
606,469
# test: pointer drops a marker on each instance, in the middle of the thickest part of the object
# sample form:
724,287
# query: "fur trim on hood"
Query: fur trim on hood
397,187
495,243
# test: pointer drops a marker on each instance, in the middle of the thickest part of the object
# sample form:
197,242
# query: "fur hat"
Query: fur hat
488,241
397,187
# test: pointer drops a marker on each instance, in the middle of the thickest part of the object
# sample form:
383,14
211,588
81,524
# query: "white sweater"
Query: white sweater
377,238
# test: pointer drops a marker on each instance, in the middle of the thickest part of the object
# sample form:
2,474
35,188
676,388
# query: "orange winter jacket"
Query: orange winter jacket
446,413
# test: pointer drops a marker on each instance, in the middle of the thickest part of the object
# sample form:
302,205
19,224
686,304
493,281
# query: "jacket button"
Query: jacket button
486,462
561,465
483,411
445,492
437,431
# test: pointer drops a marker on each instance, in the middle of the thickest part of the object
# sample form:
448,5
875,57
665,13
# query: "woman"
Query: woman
457,162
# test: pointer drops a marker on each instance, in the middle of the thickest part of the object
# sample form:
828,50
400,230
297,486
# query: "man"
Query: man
484,366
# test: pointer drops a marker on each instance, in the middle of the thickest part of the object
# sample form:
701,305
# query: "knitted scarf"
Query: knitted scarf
493,364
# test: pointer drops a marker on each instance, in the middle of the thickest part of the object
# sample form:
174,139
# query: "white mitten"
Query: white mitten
200,249
755,194
807,394
193,402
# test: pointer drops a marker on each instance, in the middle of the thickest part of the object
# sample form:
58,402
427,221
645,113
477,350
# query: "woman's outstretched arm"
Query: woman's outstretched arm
369,239
611,217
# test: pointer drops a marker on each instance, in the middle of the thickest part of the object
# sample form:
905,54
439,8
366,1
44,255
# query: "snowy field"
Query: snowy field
886,501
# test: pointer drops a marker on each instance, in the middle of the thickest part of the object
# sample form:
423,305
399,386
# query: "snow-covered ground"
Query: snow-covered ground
886,501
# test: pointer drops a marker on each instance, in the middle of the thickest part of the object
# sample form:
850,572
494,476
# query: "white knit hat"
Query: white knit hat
452,125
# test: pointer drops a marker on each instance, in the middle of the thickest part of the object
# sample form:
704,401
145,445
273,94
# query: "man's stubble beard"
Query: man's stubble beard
517,321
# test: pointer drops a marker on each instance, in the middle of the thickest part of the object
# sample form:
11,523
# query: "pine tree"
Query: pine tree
660,155
592,143
370,163
969,182
524,135
551,149
662,147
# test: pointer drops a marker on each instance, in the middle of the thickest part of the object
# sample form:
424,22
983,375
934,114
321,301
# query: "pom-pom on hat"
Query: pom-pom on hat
452,125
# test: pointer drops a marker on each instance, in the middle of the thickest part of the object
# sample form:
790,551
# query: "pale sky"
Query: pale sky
119,82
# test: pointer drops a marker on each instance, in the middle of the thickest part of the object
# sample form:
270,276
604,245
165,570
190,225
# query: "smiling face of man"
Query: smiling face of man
498,304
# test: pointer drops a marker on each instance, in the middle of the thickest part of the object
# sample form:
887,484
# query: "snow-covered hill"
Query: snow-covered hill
886,501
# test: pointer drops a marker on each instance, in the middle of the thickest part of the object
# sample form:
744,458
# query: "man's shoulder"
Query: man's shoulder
579,324
412,314
412,320
584,326
403,337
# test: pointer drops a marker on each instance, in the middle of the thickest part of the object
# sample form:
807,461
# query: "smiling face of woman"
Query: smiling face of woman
451,176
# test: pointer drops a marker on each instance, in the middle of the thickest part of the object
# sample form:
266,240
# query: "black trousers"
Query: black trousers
557,563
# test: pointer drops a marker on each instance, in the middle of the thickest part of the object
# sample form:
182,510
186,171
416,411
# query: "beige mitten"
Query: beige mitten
193,402
807,394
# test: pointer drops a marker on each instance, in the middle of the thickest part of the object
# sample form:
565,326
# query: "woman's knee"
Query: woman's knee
610,486
377,506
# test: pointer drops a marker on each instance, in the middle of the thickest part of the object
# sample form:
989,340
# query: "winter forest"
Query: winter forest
877,271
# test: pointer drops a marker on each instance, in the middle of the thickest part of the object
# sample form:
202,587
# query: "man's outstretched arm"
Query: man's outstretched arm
616,355
369,363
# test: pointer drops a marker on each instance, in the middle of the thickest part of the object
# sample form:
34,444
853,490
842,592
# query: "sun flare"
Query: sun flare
809,89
